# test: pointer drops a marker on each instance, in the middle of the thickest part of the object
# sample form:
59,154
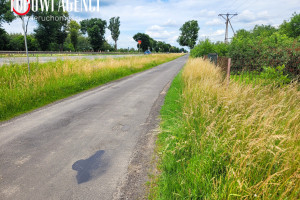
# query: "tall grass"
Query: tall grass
236,142
48,82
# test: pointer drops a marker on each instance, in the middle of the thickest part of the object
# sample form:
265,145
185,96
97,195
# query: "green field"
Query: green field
219,142
61,55
49,82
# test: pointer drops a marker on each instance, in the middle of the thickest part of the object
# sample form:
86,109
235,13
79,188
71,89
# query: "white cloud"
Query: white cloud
215,21
218,32
170,23
155,28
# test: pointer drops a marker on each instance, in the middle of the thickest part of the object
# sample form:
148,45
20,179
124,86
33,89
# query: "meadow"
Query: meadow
227,142
21,92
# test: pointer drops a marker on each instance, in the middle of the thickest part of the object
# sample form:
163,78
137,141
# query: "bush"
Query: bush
206,46
275,74
251,51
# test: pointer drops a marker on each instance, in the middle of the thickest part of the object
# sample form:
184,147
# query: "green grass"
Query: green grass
49,82
62,55
171,114
269,75
227,142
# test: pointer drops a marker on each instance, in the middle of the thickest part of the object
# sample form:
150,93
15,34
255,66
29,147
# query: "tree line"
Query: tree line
66,34
262,46
58,32
151,44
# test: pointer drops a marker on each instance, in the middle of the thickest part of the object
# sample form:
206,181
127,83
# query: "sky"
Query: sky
162,19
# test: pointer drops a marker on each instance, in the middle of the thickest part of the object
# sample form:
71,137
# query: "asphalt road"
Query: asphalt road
9,60
82,147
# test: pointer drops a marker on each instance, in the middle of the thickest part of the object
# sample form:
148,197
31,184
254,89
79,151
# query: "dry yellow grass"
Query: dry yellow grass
259,126
86,67
236,142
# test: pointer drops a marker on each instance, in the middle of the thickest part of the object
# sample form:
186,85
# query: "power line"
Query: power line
238,5
232,3
245,6
227,19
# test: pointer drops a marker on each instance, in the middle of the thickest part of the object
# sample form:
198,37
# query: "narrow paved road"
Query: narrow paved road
9,60
81,147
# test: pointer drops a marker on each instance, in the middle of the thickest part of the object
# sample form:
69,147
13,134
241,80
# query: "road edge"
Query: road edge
141,163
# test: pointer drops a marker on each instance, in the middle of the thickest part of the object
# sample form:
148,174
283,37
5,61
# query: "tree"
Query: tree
95,28
4,40
145,40
68,46
205,47
189,34
51,34
16,42
291,28
73,29
5,16
83,44
107,47
114,27
263,31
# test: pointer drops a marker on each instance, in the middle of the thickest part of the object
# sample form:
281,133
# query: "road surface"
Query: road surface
9,60
83,147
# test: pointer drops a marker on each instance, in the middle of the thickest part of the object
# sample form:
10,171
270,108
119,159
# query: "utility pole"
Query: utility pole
227,19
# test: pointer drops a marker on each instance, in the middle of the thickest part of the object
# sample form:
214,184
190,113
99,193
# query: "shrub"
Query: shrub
206,46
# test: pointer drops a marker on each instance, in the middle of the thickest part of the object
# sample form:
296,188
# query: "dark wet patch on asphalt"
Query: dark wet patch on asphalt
90,168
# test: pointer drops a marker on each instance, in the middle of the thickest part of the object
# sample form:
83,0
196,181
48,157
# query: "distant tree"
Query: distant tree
160,46
83,44
5,16
73,29
145,40
51,34
4,40
68,46
189,34
16,42
95,28
61,35
107,47
153,44
263,30
182,50
242,34
205,47
163,47
132,50
114,27
291,28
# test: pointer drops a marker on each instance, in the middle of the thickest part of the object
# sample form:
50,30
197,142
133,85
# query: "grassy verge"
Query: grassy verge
62,55
240,142
48,82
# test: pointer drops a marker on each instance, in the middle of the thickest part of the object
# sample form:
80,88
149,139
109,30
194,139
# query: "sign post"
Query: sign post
21,8
25,38
140,42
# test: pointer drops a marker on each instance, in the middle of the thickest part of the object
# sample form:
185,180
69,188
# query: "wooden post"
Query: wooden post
228,71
